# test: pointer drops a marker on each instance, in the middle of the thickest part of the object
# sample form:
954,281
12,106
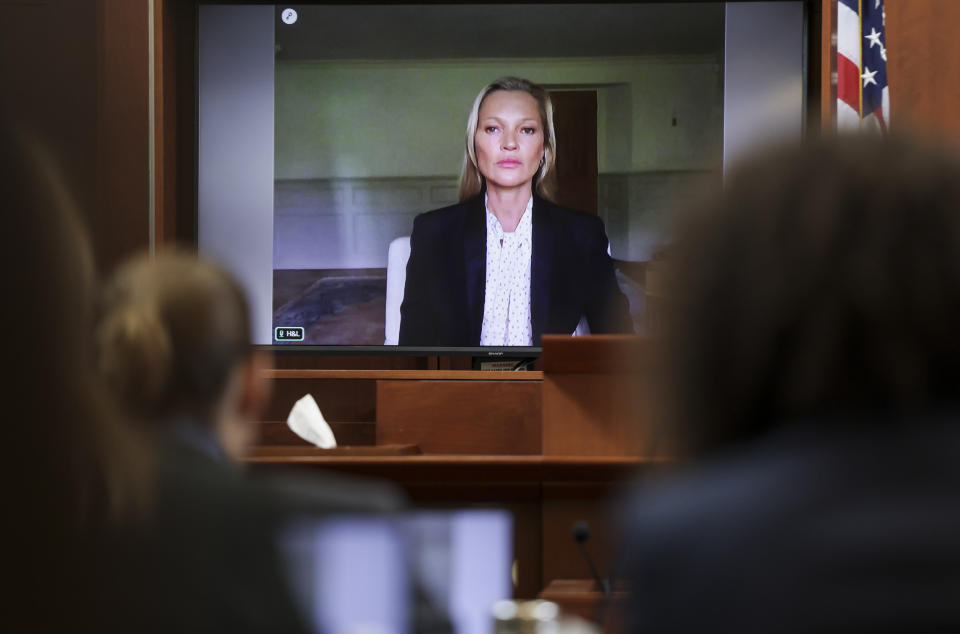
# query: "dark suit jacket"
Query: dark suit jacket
571,276
810,530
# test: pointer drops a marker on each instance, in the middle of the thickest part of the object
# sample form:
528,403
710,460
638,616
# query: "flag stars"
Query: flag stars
874,38
867,77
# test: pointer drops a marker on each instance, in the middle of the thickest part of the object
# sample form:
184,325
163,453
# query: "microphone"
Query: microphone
581,533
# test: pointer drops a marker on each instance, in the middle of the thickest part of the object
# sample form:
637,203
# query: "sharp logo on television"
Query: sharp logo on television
294,333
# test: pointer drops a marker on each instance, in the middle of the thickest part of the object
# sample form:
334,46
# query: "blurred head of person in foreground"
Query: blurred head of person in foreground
823,283
812,371
174,345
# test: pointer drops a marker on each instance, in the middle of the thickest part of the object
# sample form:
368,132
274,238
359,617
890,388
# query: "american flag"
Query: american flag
863,98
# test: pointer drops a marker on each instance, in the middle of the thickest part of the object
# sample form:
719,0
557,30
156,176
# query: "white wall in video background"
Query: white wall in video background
364,146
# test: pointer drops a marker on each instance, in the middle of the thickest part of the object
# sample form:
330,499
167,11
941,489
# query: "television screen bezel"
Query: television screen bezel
517,353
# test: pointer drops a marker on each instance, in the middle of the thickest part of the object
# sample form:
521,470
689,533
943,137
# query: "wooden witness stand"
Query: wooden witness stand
550,446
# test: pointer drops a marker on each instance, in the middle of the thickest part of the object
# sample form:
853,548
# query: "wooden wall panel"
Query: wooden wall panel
120,220
563,505
460,417
347,400
598,396
48,70
827,65
596,415
175,101
75,77
348,434
923,66
575,121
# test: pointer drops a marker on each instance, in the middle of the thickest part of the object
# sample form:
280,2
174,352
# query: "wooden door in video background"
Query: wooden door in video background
575,124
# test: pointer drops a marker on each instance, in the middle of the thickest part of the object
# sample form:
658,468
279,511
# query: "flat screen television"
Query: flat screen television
324,129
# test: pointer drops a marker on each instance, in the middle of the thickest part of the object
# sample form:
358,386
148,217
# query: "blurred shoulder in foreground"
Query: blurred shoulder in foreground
813,373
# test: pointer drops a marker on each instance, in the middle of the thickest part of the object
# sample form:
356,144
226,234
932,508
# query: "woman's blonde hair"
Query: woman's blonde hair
471,180
172,330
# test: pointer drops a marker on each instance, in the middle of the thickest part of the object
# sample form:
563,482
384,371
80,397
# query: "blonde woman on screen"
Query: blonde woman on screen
506,265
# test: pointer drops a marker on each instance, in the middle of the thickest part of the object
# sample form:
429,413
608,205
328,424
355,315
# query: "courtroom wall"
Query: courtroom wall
364,146
406,118
75,79
923,66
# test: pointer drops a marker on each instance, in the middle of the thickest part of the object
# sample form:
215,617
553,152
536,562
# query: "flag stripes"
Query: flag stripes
863,97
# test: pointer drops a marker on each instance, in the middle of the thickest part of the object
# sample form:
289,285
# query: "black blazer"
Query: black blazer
823,526
571,276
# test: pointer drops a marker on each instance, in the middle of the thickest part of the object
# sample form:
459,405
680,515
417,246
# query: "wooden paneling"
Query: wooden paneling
595,415
341,401
563,505
347,433
598,396
828,66
454,469
280,451
48,66
599,354
175,103
923,66
121,218
75,78
348,400
460,417
575,125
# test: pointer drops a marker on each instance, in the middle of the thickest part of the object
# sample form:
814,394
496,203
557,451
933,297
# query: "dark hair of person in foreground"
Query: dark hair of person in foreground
173,344
825,282
813,369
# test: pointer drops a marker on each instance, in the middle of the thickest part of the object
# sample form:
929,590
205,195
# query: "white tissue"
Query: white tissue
306,421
